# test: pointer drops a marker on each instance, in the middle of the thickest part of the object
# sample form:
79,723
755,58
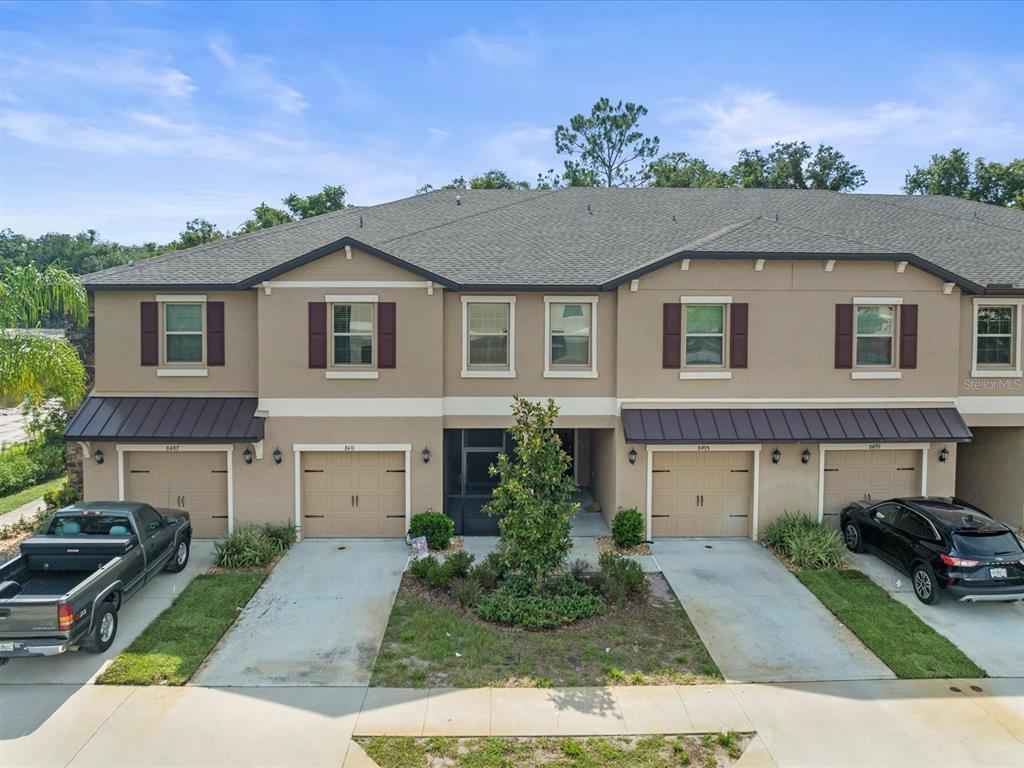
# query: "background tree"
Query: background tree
33,366
534,493
607,147
678,169
330,198
197,232
263,217
953,175
493,179
792,165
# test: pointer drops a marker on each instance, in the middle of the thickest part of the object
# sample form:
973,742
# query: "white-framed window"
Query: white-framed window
488,336
997,337
352,331
704,335
875,335
570,337
184,327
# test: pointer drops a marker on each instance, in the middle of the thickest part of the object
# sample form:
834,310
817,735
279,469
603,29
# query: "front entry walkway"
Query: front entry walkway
318,620
757,620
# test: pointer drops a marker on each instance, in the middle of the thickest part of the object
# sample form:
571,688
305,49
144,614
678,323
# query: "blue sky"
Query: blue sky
133,117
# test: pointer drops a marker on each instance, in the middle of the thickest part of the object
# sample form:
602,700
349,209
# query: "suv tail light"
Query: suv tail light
65,618
955,562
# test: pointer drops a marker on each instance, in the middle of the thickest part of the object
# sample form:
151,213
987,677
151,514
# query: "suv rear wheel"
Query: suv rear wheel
852,537
926,586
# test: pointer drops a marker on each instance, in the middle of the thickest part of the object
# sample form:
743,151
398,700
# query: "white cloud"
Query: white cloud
110,70
252,74
500,51
522,149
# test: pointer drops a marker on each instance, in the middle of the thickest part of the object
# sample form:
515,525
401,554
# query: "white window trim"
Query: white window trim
483,373
993,373
580,372
351,375
756,479
299,448
872,300
696,374
700,370
705,299
869,374
353,370
351,298
180,298
188,367
187,372
822,447
893,340
122,449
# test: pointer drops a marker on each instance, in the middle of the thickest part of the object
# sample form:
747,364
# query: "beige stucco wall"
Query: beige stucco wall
791,329
118,353
602,467
991,472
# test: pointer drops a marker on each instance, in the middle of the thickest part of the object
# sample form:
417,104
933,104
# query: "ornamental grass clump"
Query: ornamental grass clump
805,542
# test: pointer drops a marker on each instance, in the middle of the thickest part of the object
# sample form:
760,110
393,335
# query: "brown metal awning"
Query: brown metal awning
167,419
793,425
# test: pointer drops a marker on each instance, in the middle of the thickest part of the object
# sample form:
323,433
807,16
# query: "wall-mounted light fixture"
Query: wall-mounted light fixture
944,455
805,457
632,455
426,455
247,455
98,455
277,455
776,456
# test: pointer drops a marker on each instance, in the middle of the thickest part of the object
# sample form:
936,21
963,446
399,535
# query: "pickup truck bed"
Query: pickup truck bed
49,583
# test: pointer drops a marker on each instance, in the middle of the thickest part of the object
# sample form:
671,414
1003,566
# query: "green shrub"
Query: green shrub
466,591
420,568
437,527
252,546
565,585
440,575
26,464
489,571
284,535
458,564
618,577
504,606
61,496
628,528
806,542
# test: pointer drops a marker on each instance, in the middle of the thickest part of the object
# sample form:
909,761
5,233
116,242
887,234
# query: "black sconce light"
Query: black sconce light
805,457
426,455
632,455
98,456
944,455
247,455
776,456
277,455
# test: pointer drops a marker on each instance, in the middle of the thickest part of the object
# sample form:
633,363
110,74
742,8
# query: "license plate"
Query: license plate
997,573
6,647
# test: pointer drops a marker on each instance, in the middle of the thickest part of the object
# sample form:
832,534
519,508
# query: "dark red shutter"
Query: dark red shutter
738,335
215,333
671,331
317,334
149,336
844,335
386,334
908,336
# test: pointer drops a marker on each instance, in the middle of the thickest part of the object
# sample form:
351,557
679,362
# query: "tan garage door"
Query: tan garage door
359,493
869,476
196,481
701,493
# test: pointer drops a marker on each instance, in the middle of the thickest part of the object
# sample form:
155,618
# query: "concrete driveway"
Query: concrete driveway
757,620
318,619
81,667
989,633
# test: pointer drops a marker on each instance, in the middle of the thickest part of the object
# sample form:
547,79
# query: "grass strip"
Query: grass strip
15,500
170,650
889,629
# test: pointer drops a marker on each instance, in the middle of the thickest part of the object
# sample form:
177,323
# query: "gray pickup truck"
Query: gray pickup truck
64,590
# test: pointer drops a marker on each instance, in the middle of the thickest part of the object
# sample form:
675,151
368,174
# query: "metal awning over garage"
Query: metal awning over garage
792,425
167,419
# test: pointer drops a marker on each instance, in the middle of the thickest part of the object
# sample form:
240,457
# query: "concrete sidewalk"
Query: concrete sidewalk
894,723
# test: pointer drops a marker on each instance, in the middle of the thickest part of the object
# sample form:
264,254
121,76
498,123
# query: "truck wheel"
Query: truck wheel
104,629
179,559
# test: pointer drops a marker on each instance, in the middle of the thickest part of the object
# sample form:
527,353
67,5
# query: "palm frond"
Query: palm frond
29,295
37,367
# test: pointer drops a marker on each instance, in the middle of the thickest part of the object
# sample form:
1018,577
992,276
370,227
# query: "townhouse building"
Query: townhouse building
718,357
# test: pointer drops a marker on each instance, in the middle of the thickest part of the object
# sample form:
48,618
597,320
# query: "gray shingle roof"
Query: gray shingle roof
596,237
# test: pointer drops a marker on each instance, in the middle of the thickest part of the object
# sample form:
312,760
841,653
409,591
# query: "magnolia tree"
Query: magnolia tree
534,495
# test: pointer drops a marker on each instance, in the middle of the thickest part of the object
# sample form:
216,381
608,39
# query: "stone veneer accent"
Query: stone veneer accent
83,339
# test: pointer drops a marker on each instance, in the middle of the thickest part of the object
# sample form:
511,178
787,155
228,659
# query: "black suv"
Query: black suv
943,544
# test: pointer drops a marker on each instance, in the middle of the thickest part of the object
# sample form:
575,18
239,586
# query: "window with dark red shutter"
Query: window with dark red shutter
908,336
149,336
317,334
738,335
844,335
386,334
671,333
215,333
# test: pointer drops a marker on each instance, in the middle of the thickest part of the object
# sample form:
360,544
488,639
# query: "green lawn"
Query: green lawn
646,643
907,645
171,649
15,500
710,751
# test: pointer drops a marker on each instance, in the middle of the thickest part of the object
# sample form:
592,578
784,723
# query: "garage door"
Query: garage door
869,476
359,493
196,481
701,493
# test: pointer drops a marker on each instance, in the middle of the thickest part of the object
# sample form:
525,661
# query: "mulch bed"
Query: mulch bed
607,544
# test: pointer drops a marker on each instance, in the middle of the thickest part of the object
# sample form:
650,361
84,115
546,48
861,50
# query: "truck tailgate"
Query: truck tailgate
21,618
